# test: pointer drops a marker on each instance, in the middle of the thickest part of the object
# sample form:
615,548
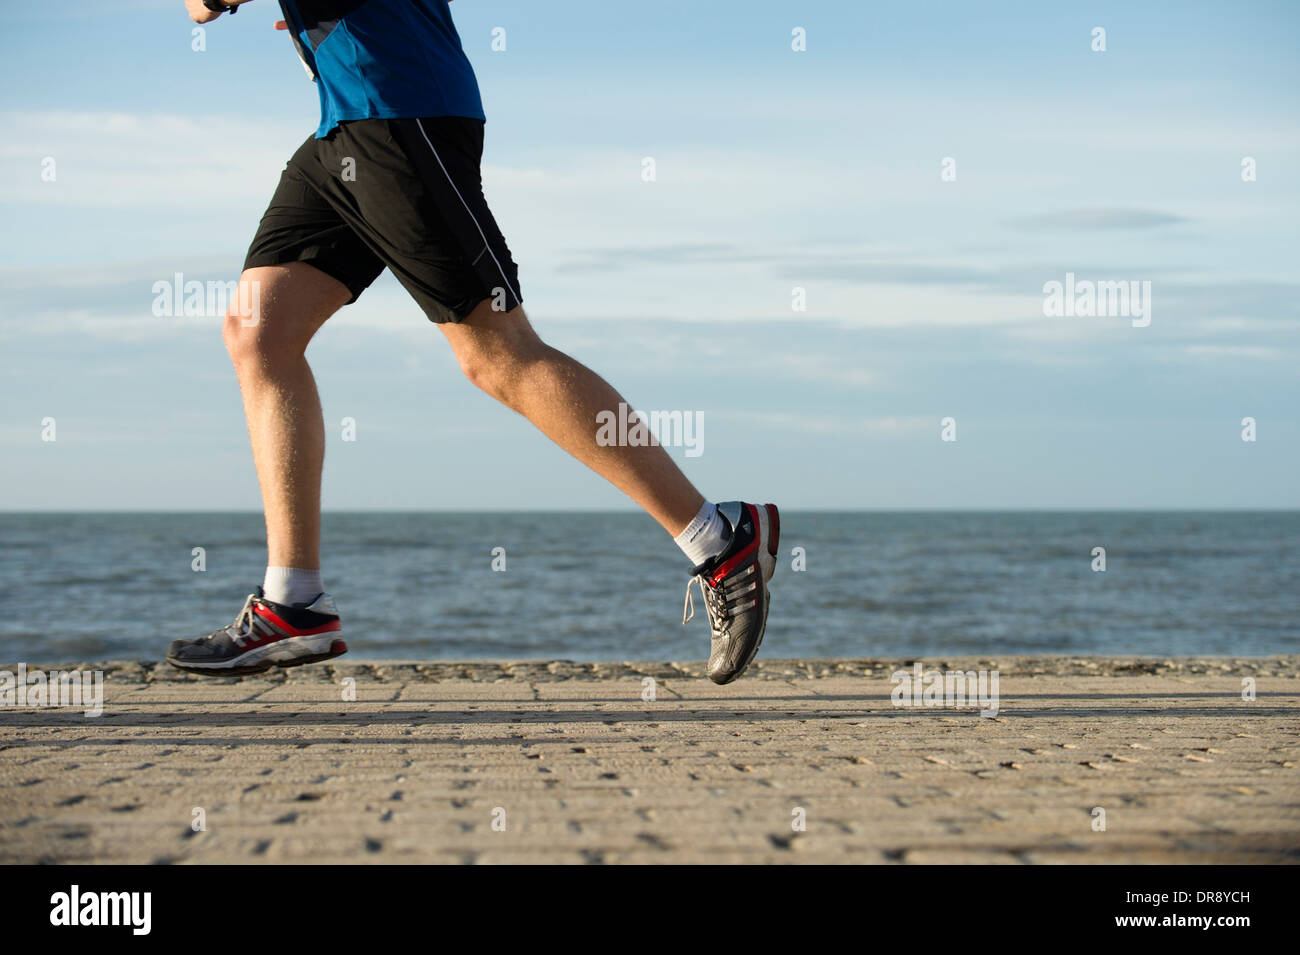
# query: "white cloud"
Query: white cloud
822,424
143,161
1217,352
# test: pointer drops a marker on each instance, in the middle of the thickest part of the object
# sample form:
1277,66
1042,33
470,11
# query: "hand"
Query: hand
199,13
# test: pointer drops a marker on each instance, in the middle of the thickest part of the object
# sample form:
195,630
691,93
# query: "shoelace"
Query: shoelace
724,600
713,600
241,628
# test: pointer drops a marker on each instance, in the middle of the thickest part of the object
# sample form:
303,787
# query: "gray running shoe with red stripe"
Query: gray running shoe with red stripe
734,588
263,635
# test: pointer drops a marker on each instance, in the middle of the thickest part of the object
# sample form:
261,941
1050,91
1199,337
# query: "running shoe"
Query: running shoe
264,634
734,588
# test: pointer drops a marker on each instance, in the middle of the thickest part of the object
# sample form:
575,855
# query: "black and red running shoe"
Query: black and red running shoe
263,635
734,586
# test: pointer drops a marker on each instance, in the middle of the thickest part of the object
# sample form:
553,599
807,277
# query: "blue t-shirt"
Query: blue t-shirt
383,58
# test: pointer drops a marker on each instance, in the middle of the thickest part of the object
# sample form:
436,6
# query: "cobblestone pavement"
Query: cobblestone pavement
483,762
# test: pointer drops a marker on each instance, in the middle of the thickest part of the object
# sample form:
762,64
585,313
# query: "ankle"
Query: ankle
292,585
706,536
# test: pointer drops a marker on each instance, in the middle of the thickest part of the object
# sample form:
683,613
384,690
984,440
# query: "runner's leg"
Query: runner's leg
502,354
267,346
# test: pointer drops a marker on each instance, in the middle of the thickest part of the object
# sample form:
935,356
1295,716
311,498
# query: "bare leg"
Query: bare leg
502,354
267,345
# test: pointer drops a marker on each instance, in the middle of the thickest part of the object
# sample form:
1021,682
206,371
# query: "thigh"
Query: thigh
301,225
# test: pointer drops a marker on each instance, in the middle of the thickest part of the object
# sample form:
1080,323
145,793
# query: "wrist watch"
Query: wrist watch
220,6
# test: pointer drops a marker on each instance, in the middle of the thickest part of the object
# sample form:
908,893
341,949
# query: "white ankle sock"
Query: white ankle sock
291,585
706,536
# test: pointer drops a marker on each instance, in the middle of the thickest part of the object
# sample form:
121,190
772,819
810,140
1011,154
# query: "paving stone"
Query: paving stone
488,762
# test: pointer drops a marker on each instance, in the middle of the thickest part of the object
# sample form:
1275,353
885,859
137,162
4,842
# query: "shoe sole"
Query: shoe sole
304,650
769,525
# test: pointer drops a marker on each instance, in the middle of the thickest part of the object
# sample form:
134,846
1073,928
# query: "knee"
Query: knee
487,369
275,312
239,337
254,342
497,363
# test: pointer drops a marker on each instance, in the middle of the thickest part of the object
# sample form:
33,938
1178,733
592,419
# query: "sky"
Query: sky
820,176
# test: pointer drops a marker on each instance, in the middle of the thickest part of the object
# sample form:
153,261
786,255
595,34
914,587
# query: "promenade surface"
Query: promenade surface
567,762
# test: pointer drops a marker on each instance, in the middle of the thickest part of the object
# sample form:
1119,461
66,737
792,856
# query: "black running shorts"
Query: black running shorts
401,193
